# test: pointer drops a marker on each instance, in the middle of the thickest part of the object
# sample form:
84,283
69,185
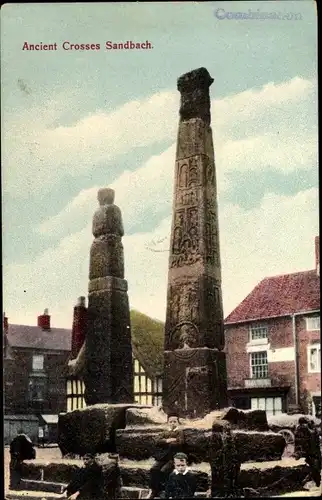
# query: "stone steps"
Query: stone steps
136,474
31,495
46,479
47,486
127,492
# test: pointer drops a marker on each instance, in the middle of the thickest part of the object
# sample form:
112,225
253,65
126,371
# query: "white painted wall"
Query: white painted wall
250,347
281,354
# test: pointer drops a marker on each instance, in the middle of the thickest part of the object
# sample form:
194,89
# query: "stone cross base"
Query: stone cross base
195,381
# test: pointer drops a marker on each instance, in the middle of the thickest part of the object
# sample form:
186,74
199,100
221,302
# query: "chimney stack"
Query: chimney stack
79,326
5,323
317,255
44,321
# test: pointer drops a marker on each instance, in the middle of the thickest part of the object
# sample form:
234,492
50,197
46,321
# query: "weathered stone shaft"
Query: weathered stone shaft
194,302
108,373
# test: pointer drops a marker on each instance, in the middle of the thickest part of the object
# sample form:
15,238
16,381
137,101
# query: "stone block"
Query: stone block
237,419
194,381
138,443
145,416
49,487
92,429
247,419
254,446
31,470
273,480
61,472
35,495
139,477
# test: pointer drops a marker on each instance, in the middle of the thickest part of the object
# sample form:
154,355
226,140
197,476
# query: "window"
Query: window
272,406
258,332
313,323
157,398
37,389
314,358
37,363
75,394
259,365
146,390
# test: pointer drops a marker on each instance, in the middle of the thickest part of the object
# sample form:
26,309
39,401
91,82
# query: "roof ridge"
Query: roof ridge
40,328
287,274
276,296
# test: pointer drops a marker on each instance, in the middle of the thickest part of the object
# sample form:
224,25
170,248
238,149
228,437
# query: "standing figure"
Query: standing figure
41,437
224,462
168,444
181,483
21,448
314,461
307,445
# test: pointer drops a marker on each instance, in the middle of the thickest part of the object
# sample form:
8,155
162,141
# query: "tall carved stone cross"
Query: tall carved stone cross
108,371
195,368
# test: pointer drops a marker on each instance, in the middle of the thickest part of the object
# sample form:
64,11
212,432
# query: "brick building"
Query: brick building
273,345
35,359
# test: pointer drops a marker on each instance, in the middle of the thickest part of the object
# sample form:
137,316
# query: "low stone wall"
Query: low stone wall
93,429
287,477
138,443
255,420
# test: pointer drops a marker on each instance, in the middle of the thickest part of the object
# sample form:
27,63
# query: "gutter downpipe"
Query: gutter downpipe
296,366
296,361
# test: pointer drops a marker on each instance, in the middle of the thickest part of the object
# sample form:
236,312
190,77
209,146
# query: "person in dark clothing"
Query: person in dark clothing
302,439
21,448
100,473
314,459
168,444
181,482
224,462
307,445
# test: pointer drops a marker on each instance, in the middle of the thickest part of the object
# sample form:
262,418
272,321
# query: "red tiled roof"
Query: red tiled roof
279,296
33,337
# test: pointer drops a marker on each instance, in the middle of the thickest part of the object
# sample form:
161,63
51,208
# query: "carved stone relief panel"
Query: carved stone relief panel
209,172
183,173
179,231
214,313
194,175
187,197
212,241
185,241
184,316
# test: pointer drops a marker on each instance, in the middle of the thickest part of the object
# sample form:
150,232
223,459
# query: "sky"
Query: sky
75,121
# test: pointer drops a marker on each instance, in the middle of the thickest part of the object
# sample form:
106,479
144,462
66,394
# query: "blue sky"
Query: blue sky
75,121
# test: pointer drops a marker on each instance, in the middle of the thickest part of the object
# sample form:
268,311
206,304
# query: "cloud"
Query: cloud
43,151
147,191
286,153
275,238
250,103
46,153
141,194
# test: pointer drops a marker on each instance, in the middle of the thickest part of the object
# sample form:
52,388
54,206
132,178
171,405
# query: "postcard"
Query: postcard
161,262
